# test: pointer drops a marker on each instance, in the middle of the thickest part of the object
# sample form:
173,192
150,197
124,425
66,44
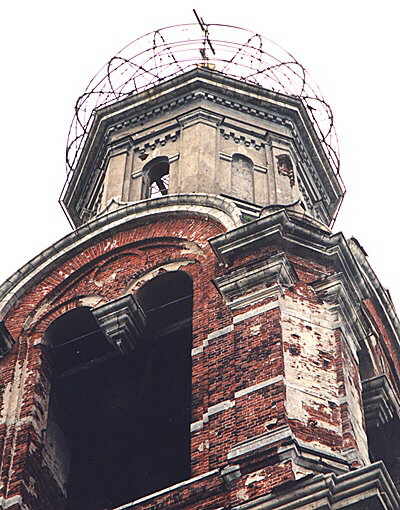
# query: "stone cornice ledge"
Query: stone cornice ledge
335,290
122,321
126,216
382,296
309,456
283,225
367,488
215,473
274,270
290,230
381,404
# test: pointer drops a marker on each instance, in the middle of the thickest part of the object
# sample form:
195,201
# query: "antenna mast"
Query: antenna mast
206,40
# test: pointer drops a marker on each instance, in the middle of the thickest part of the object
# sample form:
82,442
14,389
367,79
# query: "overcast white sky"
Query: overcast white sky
50,50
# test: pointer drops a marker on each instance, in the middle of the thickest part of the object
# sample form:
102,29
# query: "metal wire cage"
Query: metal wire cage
170,51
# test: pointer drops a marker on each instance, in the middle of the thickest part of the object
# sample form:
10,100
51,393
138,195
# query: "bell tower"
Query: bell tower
202,339
205,132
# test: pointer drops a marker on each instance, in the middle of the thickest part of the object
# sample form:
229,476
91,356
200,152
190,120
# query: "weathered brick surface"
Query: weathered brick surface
252,375
385,350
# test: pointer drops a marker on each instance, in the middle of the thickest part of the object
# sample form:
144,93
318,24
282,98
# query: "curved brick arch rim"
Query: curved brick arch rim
39,324
213,207
40,321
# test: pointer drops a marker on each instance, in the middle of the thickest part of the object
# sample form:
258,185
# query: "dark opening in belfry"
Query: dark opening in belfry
119,424
156,177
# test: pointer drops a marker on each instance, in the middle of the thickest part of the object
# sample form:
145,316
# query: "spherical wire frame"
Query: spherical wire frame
170,51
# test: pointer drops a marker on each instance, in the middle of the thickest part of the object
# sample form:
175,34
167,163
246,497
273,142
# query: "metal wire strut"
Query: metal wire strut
170,51
206,41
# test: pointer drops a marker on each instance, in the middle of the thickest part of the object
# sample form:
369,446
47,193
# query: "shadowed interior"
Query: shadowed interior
125,419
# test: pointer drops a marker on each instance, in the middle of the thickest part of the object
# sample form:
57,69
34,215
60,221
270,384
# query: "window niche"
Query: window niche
156,177
119,419
167,302
242,177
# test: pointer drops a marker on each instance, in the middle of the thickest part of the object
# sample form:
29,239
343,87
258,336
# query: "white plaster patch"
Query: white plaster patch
205,445
11,396
197,425
300,471
217,408
270,423
242,495
7,503
212,336
110,245
257,476
172,266
91,301
310,373
254,330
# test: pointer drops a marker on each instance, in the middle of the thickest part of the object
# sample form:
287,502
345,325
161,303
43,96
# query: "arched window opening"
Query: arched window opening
156,177
242,177
119,424
75,340
167,301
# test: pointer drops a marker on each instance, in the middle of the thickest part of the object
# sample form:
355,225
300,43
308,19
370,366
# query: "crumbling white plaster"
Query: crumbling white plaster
257,476
171,266
310,371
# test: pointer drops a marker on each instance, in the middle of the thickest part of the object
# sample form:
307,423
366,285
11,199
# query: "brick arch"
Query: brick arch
203,286
187,234
95,267
63,288
40,323
200,216
180,264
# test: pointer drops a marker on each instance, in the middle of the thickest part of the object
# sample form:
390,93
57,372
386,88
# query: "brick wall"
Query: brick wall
274,374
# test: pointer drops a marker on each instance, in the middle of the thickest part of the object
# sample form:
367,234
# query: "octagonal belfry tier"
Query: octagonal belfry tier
200,115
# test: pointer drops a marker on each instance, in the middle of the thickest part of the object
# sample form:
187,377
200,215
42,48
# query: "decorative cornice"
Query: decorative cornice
276,226
381,404
284,444
353,283
155,142
122,321
275,271
371,486
239,138
200,115
201,85
336,291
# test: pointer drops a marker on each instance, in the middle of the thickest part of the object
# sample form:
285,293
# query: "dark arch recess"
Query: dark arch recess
167,300
156,177
122,422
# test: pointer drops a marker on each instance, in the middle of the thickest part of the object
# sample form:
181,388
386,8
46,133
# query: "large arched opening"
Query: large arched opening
119,424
